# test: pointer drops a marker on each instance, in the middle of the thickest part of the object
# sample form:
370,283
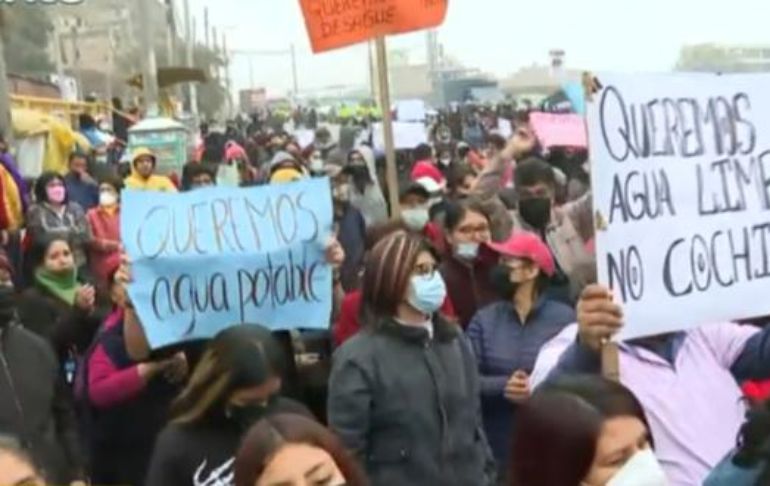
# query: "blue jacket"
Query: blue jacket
86,194
728,474
502,345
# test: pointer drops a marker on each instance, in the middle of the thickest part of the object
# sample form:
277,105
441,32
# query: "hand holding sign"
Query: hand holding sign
599,318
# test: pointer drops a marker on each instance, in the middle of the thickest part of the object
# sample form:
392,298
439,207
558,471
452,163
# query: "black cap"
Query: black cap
415,189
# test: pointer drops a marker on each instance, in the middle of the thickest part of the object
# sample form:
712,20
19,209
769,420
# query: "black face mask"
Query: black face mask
7,305
247,415
500,277
536,211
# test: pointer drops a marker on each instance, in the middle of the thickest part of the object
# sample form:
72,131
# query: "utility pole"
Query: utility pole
206,26
75,31
170,32
391,171
228,80
110,65
5,100
57,56
294,71
190,31
149,66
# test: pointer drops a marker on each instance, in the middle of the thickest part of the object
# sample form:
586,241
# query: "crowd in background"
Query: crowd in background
464,346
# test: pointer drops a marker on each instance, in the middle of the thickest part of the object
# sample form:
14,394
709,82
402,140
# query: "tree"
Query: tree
26,28
716,58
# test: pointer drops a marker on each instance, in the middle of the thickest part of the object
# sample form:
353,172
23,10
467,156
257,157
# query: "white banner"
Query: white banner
681,185
406,135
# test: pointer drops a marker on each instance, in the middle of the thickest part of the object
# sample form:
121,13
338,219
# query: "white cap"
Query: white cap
429,184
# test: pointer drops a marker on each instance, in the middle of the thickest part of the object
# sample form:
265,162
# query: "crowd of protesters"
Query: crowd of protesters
464,347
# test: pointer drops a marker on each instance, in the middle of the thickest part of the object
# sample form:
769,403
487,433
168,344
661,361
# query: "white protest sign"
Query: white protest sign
681,186
406,136
505,128
304,137
411,110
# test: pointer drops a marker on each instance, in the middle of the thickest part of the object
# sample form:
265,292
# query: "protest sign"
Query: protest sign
681,188
505,128
338,23
411,111
208,259
304,137
406,135
559,129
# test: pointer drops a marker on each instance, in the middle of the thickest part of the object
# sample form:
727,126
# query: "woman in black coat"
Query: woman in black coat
404,392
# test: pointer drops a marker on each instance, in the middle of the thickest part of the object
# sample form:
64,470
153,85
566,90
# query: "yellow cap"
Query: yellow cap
286,175
142,152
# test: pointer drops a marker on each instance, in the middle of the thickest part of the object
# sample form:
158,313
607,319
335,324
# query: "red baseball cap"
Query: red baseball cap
527,245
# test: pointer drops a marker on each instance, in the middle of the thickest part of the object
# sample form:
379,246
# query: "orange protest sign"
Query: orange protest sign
338,23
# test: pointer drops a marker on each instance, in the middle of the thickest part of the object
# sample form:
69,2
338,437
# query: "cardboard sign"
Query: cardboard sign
559,130
337,23
681,187
212,258
406,135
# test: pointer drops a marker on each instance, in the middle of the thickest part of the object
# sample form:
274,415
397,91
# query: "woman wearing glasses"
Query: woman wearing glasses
404,392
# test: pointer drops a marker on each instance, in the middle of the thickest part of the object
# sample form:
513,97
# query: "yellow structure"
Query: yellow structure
60,139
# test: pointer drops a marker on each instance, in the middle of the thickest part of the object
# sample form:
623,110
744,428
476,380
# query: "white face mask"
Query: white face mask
643,469
107,199
415,219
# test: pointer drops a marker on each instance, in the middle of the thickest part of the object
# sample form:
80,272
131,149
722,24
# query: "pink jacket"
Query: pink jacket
108,385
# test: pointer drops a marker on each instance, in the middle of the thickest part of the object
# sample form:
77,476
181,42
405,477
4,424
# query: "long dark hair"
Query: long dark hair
239,356
41,195
754,442
270,434
558,428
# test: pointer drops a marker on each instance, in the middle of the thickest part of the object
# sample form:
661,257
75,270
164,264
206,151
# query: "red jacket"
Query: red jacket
347,324
104,245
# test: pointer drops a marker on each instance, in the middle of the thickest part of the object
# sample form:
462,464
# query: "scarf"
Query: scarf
64,286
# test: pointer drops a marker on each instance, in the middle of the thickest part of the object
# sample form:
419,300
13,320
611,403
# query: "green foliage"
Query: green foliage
26,30
715,58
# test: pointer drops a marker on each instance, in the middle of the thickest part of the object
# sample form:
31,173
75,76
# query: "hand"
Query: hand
176,368
5,237
517,389
522,142
112,245
335,254
85,297
599,318
149,369
123,275
79,482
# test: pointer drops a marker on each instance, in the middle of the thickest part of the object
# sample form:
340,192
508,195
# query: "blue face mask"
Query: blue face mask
467,251
427,293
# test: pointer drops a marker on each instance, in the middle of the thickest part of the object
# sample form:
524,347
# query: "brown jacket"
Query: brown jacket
570,228
469,287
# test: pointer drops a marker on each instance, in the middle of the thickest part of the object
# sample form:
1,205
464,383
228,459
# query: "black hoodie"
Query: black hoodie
36,405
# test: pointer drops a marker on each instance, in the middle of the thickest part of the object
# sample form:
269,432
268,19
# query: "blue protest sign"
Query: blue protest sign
205,260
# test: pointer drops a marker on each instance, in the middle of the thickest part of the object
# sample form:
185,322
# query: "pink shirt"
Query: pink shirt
694,408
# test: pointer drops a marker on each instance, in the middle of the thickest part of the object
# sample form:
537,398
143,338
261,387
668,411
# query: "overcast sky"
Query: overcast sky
497,36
